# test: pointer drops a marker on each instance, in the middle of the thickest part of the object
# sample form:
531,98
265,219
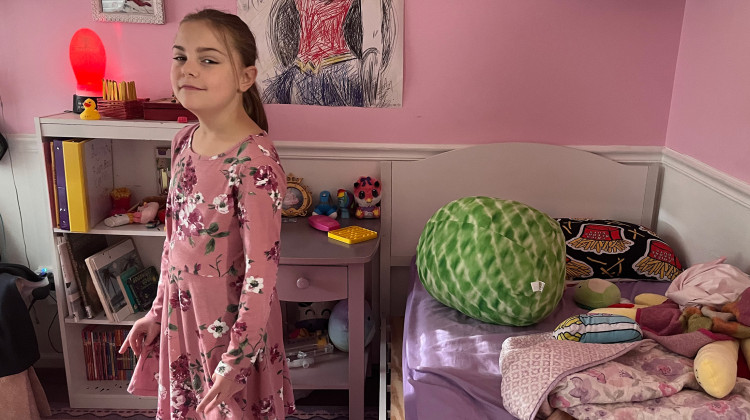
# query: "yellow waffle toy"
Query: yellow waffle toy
352,234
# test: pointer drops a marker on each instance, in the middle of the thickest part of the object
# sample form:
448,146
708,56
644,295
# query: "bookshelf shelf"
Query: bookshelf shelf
101,319
125,230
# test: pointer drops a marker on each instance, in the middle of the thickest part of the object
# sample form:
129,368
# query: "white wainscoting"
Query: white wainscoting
703,212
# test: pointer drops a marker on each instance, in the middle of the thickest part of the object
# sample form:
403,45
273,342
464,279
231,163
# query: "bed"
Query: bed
449,361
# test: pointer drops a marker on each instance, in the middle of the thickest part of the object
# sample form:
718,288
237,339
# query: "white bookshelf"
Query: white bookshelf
134,163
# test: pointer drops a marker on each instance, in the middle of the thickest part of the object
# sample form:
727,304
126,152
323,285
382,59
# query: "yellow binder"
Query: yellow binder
75,184
88,181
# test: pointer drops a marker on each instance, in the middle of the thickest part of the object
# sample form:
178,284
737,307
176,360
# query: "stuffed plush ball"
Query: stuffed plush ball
495,260
338,325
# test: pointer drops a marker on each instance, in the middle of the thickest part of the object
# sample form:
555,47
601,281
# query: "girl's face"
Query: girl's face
204,79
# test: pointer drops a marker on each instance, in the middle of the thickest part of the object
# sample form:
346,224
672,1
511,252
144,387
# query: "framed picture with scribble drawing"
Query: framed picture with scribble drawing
298,198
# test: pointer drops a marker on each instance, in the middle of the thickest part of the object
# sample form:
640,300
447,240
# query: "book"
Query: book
144,285
72,292
81,246
62,195
100,352
126,288
88,180
48,147
105,267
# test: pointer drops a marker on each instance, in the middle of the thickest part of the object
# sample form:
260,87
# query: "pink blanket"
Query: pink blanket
616,381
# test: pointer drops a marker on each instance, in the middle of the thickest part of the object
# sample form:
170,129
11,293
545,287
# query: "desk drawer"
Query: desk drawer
311,283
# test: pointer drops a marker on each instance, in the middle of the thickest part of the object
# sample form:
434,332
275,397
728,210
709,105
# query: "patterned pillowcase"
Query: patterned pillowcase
598,328
611,249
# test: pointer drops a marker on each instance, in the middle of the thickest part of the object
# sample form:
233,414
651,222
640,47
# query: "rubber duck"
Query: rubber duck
89,111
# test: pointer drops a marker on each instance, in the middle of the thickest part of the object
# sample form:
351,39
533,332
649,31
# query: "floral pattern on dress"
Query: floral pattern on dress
218,285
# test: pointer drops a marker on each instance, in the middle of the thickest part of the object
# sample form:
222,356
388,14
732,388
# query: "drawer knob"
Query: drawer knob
303,283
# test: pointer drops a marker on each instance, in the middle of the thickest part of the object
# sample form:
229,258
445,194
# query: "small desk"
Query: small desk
314,268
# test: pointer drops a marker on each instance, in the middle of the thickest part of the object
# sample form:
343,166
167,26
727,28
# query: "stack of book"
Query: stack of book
101,347
100,278
80,175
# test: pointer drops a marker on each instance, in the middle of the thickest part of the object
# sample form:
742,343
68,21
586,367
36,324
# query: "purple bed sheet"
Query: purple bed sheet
450,361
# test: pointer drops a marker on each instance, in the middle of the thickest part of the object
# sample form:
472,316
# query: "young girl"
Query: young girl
217,317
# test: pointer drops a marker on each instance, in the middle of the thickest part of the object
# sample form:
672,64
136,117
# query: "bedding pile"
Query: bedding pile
620,381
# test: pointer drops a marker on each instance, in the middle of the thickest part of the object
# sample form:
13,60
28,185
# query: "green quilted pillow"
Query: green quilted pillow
495,260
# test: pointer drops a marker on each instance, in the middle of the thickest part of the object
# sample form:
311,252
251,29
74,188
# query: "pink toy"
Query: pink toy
144,214
367,195
323,223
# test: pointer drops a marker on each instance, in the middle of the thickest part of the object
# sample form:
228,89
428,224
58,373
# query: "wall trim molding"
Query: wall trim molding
23,142
399,152
718,181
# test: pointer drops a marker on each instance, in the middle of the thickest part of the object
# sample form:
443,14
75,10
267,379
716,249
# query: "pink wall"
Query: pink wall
710,112
573,72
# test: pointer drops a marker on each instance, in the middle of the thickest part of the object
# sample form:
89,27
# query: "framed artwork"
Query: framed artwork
130,11
298,198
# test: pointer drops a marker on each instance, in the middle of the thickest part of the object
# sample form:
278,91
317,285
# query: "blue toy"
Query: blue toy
326,206
338,325
345,200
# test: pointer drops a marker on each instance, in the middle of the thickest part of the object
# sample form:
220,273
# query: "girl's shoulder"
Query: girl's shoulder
260,147
182,138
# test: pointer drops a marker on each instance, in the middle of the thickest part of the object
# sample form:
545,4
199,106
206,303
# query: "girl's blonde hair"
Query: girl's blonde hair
236,36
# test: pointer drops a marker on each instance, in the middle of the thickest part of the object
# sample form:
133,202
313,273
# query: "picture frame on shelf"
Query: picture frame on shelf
106,267
298,198
128,11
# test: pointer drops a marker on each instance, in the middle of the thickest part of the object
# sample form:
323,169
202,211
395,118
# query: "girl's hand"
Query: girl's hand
222,390
143,333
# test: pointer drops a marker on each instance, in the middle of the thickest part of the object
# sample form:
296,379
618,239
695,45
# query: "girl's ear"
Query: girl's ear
247,77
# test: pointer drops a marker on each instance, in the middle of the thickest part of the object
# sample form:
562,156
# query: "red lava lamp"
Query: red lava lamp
88,59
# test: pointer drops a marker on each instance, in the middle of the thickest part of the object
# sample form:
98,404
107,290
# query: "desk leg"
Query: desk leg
356,341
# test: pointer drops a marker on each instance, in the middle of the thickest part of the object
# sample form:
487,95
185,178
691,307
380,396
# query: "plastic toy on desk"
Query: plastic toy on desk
352,234
324,223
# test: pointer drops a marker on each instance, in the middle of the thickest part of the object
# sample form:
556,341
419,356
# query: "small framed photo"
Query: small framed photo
130,11
298,198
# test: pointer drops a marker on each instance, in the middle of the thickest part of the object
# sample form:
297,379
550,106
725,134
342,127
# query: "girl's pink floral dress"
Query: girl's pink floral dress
217,300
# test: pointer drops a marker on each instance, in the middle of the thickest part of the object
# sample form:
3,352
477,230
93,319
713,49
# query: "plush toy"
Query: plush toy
144,214
498,261
598,328
367,196
338,325
596,293
326,206
345,200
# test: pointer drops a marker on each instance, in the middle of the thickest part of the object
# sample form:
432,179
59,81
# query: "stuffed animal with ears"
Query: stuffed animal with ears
367,196
326,206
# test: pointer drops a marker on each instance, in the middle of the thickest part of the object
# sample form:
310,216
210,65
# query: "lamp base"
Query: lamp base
78,102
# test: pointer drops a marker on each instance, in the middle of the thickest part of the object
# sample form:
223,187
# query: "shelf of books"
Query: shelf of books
98,377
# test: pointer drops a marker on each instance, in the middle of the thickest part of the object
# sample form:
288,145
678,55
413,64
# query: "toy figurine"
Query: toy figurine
326,206
145,214
367,195
89,110
345,200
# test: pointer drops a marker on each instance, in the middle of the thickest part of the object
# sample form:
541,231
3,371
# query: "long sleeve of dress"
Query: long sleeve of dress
258,212
158,304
